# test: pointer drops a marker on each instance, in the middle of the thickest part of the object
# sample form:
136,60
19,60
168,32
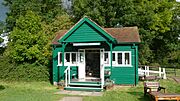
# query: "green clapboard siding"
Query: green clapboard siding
55,63
85,33
125,75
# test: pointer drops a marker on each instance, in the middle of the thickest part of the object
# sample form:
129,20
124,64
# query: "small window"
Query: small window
127,59
67,57
106,58
81,57
73,58
120,58
60,58
113,57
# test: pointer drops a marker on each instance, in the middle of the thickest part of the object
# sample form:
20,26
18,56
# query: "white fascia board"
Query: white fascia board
86,44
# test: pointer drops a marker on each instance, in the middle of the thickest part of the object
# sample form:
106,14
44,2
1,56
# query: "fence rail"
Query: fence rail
146,71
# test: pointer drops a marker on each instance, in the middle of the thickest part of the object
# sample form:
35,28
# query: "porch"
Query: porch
86,71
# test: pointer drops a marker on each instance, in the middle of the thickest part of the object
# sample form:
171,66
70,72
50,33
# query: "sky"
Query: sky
3,11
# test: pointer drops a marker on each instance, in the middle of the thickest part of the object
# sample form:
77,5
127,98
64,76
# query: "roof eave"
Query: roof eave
129,42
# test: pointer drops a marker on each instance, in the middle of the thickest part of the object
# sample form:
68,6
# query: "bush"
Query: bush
23,72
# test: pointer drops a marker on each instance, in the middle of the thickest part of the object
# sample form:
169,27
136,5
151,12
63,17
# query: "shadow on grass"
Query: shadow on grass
141,96
2,87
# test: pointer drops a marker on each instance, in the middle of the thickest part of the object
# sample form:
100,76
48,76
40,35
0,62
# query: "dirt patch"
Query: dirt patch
176,79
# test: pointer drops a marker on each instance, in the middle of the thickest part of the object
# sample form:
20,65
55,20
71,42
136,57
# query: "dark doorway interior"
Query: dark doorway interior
92,63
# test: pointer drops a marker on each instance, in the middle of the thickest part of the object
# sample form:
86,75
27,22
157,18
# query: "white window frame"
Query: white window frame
123,58
115,63
107,63
70,62
59,58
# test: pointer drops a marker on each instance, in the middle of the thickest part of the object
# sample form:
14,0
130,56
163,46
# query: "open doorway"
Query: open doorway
92,63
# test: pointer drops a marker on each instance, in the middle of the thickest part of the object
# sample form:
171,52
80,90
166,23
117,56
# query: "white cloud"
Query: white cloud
177,0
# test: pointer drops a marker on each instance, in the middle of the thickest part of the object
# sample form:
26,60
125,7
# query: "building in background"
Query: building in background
88,57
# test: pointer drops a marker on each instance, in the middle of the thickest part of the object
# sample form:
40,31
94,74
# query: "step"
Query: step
84,84
83,89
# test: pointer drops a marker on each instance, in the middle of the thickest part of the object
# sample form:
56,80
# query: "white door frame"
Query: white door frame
102,66
81,64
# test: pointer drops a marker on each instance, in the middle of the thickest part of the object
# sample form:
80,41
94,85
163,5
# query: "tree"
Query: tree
101,11
47,9
1,31
153,17
29,42
1,40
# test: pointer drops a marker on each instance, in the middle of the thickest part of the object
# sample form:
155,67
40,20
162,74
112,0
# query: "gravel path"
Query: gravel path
72,99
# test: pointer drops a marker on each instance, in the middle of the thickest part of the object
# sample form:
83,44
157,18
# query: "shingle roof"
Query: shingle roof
122,35
125,34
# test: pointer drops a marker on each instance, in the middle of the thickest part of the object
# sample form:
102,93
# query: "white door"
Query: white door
81,64
102,65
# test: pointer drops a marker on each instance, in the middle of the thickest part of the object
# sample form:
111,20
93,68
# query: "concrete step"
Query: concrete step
84,89
85,84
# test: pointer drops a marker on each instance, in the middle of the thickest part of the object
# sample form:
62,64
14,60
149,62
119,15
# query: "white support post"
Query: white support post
102,77
65,78
69,75
164,72
159,71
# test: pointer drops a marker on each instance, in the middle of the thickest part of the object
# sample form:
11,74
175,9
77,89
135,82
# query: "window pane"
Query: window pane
67,57
60,58
127,58
106,58
113,54
81,57
73,58
119,58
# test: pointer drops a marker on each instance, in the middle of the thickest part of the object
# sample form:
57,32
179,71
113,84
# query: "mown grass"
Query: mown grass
134,93
28,91
44,91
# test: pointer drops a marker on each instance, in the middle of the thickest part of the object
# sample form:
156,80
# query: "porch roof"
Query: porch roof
122,35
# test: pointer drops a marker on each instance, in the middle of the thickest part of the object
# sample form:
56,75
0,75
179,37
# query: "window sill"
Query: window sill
116,66
108,65
68,65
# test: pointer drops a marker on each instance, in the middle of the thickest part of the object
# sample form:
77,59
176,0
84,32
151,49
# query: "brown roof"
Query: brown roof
125,34
122,35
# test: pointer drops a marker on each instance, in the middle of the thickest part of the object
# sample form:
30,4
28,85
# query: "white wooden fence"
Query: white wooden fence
146,72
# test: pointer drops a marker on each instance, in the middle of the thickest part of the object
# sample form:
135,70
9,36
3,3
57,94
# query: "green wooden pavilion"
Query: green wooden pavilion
87,56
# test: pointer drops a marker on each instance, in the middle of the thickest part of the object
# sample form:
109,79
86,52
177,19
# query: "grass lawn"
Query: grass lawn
134,93
44,91
28,91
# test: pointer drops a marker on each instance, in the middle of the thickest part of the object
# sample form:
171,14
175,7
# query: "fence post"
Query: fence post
159,71
147,70
164,72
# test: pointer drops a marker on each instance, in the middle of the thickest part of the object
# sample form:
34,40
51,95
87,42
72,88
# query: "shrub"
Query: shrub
23,72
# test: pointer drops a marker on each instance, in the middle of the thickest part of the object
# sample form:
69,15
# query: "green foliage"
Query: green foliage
47,9
1,40
25,72
29,41
61,22
155,20
1,27
101,11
